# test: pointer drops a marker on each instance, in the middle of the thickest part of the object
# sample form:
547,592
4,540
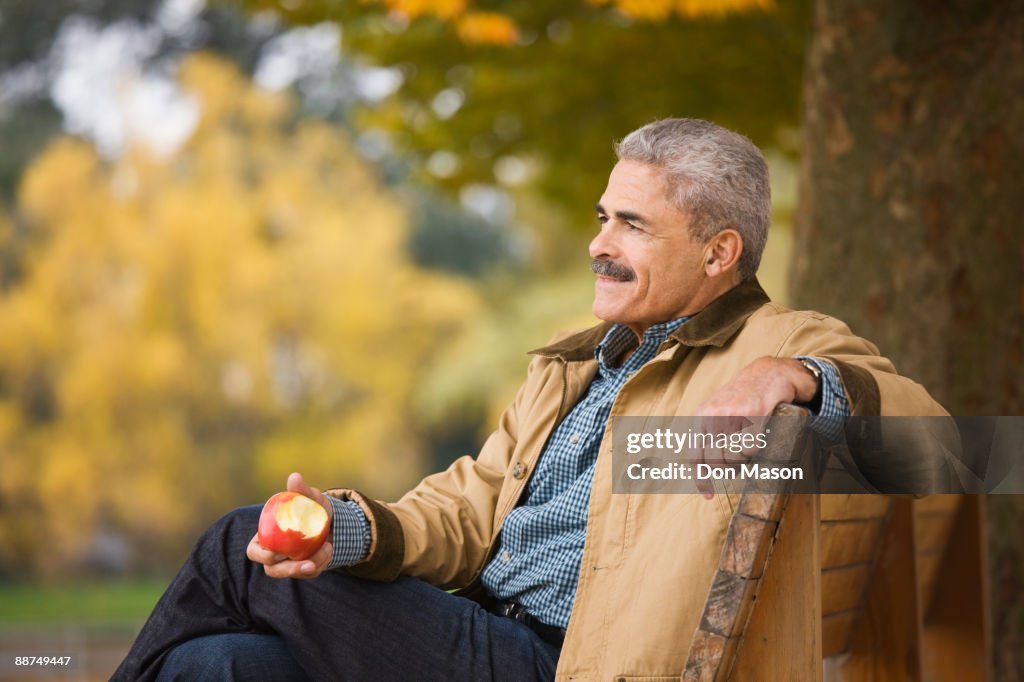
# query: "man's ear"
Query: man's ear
722,253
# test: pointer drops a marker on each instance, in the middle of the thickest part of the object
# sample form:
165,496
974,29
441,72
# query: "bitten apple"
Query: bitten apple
293,525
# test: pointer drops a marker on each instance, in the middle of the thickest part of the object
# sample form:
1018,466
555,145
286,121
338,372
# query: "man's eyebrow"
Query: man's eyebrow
628,216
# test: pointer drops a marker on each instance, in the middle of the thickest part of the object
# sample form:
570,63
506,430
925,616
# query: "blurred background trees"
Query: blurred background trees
190,330
534,106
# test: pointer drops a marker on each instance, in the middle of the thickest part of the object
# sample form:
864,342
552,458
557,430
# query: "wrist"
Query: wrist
808,387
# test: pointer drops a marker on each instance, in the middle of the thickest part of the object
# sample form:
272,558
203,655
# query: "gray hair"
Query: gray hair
718,178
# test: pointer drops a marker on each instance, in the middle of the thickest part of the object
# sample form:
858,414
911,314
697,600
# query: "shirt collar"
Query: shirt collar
621,338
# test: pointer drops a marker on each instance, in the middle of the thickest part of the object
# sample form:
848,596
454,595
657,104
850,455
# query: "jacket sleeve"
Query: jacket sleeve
872,385
898,437
442,529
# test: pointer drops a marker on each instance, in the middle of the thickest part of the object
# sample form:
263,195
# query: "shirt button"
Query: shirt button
506,557
518,471
574,438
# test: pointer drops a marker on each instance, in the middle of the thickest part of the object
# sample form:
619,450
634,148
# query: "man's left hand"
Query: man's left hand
755,392
761,387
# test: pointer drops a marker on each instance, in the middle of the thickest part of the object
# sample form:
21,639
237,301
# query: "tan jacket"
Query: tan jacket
648,560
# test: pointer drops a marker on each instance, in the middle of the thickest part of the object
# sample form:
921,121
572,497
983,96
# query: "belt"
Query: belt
517,612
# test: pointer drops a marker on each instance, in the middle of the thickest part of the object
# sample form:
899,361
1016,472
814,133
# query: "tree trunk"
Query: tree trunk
909,223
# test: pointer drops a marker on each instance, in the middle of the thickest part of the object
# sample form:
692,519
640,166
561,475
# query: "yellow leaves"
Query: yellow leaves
698,8
660,10
216,83
368,451
473,27
265,109
648,10
68,168
246,303
477,27
486,28
442,9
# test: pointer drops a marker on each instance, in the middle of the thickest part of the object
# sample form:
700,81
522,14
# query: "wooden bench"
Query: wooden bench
847,588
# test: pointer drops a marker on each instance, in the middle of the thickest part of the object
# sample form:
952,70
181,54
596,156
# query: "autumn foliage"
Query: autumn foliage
185,332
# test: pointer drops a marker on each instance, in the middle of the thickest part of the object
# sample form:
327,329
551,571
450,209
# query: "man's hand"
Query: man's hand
755,392
279,566
759,388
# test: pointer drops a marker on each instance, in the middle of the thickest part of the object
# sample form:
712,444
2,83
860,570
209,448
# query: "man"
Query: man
564,576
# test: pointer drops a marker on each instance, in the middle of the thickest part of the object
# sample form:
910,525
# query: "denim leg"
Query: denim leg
336,627
231,658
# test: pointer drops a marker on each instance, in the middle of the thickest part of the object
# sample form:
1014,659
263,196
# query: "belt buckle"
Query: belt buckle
514,611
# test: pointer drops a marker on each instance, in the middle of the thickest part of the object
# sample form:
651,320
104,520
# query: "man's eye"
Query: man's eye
602,219
634,228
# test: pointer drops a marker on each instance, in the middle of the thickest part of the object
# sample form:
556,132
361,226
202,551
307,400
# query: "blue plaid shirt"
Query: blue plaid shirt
541,542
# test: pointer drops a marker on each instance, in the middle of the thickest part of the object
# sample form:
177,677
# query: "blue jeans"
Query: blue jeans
222,618
231,657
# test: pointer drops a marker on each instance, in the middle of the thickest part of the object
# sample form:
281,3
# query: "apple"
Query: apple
293,525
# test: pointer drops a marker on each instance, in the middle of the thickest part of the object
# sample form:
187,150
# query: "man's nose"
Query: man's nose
603,245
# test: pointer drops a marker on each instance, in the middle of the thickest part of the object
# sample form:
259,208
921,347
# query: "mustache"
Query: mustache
607,268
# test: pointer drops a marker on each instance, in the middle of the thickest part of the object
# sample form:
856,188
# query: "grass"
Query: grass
85,603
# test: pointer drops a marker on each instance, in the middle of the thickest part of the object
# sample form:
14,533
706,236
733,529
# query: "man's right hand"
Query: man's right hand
279,566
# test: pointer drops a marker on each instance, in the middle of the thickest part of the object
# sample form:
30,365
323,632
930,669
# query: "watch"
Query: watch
812,368
815,401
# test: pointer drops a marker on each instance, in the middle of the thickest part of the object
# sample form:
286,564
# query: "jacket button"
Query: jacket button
518,471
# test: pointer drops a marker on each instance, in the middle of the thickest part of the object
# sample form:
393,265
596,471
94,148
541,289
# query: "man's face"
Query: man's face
649,269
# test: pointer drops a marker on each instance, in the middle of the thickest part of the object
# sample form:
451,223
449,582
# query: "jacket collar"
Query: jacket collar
713,326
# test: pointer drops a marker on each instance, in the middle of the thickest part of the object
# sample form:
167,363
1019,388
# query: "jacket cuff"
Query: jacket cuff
387,542
833,407
861,389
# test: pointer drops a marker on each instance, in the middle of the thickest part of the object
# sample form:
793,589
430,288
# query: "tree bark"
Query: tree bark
909,222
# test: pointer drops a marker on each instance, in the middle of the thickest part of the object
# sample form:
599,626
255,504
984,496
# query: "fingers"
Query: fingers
698,455
279,566
737,408
722,445
322,557
706,489
292,569
256,552
302,570
297,484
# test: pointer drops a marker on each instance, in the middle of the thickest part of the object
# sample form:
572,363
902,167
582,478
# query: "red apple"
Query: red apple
293,525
